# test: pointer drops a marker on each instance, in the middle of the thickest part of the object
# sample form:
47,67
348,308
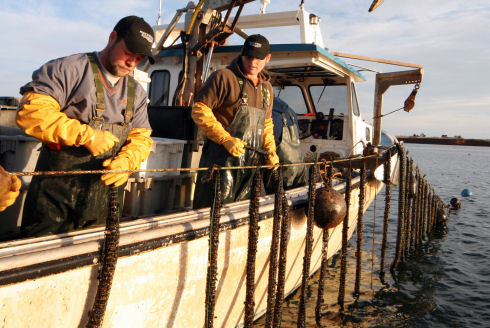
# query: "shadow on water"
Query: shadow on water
405,299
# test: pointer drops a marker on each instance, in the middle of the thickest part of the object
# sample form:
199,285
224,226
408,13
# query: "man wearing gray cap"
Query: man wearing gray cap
233,109
90,114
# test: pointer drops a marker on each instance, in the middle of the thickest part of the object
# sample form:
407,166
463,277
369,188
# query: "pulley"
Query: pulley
410,101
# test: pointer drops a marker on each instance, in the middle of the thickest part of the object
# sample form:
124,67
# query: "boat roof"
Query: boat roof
293,60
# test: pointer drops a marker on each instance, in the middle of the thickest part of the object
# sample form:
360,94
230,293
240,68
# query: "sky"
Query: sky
450,38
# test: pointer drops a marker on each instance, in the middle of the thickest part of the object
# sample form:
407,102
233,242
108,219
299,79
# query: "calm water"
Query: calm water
447,284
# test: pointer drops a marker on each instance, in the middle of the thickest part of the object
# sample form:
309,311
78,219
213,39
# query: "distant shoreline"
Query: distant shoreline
446,141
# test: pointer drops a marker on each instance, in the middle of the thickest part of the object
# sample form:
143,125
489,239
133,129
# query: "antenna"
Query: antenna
159,12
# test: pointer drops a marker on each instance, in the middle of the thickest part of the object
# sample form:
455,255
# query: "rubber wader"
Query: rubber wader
289,152
56,204
248,125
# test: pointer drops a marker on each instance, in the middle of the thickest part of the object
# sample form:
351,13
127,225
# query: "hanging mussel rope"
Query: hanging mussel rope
401,207
328,170
360,216
408,202
253,235
215,215
384,243
273,258
420,210
281,274
308,246
109,260
345,228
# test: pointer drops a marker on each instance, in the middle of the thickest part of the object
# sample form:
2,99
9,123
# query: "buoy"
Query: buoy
455,203
441,216
330,208
466,193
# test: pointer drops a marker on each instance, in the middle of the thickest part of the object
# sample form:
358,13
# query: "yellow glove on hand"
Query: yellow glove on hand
118,163
270,143
235,146
272,160
130,157
9,189
40,116
97,141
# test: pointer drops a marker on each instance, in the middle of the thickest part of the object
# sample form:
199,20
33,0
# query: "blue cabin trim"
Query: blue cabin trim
274,48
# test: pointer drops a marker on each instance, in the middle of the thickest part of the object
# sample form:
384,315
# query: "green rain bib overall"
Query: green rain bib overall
56,204
248,125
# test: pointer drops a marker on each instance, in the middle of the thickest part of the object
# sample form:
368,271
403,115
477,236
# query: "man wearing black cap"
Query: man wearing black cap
233,109
90,114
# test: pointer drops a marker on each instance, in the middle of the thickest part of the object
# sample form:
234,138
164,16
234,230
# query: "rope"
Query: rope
308,247
401,210
408,186
384,243
109,260
253,234
413,227
321,280
360,216
345,228
281,274
182,169
215,215
276,230
327,177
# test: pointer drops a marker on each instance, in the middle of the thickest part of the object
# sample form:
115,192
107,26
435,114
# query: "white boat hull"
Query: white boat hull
164,286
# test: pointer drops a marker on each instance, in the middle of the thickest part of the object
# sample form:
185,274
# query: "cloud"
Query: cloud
449,38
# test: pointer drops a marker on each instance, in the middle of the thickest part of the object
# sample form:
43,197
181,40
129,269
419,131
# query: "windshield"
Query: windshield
330,96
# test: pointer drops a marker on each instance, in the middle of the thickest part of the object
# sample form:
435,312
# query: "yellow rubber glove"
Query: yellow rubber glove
40,116
9,189
130,157
270,143
204,118
235,146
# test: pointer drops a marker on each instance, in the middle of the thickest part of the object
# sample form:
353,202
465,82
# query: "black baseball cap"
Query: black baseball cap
137,35
256,46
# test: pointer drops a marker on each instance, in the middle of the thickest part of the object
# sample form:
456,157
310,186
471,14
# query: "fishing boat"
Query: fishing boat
161,274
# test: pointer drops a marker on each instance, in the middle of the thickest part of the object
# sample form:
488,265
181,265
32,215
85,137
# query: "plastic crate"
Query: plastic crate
17,153
164,154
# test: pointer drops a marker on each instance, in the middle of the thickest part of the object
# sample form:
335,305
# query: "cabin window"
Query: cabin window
159,88
355,104
325,97
293,96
